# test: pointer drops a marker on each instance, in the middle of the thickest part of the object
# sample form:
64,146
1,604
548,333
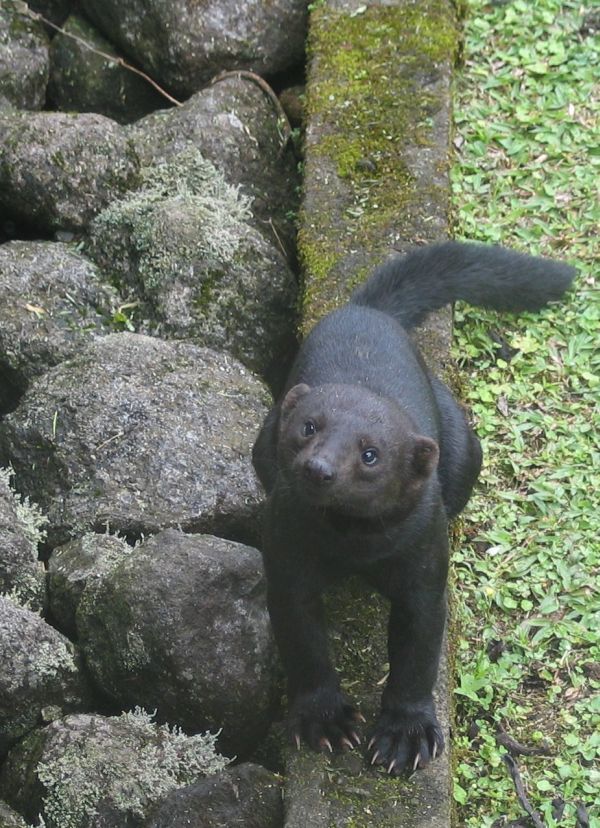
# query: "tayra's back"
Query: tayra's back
362,346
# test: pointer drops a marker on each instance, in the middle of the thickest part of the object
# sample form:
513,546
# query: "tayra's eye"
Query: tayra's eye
369,456
309,428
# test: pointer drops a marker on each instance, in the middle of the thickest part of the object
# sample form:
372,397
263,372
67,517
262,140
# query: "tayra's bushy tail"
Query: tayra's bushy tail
409,287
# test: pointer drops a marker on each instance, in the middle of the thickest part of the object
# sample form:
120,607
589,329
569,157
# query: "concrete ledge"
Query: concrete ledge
376,182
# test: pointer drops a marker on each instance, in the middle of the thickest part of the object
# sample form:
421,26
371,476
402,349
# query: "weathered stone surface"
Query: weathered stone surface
247,796
57,170
52,302
183,45
181,626
81,80
56,11
71,566
138,434
40,671
376,167
20,534
292,101
23,59
183,244
10,818
236,126
90,771
376,181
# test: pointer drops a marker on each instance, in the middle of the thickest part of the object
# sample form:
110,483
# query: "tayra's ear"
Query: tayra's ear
291,398
425,456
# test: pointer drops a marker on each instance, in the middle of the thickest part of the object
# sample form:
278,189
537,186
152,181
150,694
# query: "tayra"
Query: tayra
364,460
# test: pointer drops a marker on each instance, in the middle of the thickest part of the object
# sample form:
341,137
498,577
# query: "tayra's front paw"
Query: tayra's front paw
406,738
325,719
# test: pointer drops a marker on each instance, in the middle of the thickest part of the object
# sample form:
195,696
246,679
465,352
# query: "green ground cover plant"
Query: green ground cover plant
526,594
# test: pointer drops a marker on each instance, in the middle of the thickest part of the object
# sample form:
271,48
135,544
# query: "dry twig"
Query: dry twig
23,8
261,82
517,749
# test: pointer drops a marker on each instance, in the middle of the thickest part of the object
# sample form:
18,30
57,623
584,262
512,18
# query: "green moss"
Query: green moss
372,95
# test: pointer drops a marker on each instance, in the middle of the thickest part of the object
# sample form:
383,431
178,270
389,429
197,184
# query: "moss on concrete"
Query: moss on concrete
370,104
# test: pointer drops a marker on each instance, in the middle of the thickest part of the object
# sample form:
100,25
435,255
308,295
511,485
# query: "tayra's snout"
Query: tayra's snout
318,470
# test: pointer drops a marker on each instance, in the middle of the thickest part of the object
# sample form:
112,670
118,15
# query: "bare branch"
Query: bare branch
517,749
24,9
261,82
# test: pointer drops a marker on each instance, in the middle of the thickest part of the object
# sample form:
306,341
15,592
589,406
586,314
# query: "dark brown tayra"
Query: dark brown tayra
364,459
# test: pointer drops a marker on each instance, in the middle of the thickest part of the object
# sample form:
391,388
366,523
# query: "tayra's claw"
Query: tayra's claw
371,743
375,757
359,717
325,743
417,760
356,738
297,740
391,766
434,751
346,743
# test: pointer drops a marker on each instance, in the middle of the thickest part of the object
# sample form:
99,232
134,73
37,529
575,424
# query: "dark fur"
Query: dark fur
359,385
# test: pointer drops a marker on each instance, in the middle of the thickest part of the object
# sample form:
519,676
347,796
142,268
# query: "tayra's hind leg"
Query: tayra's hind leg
460,451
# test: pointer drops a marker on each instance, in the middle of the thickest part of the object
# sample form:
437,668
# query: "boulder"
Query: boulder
23,59
81,80
20,533
182,44
236,126
40,676
181,626
183,244
56,11
71,566
52,301
92,771
58,169
247,796
137,434
10,818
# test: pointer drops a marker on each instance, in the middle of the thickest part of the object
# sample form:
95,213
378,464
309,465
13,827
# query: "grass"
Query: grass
526,576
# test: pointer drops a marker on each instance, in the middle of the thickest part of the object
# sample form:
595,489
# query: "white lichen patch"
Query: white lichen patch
189,189
128,762
28,514
53,658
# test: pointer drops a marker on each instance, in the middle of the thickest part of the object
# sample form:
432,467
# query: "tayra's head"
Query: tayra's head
347,450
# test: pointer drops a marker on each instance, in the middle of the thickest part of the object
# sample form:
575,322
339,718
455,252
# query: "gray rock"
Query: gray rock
181,625
10,818
40,671
235,125
23,59
56,11
182,45
90,771
183,244
57,170
247,796
71,566
20,533
82,80
52,301
139,434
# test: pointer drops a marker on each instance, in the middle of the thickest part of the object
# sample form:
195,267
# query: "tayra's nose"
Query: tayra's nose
318,470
